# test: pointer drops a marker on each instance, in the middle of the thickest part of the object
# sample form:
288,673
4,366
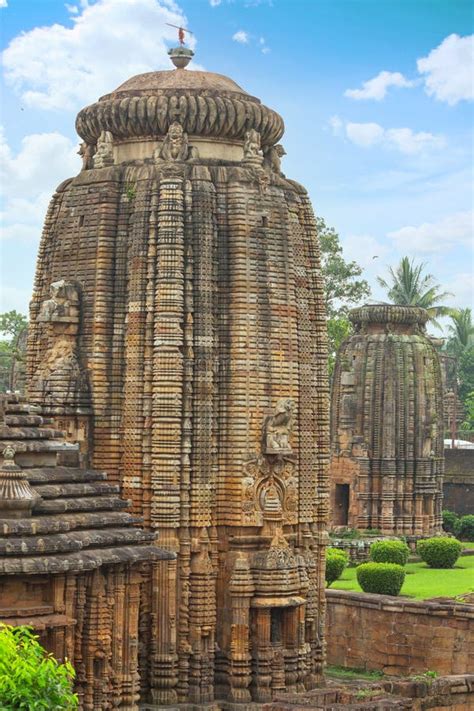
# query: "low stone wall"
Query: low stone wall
359,548
399,636
448,692
458,484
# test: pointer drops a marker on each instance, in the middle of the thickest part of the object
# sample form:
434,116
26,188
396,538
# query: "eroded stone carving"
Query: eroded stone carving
277,428
253,154
87,152
104,155
175,147
272,156
60,379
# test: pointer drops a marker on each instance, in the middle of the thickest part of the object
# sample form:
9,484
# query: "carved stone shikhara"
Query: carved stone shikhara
387,424
202,333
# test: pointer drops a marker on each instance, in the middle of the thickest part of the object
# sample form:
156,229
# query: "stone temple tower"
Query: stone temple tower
178,333
387,424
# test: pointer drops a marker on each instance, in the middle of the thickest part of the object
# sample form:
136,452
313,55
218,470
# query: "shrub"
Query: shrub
449,521
464,528
30,678
336,561
381,578
389,552
439,552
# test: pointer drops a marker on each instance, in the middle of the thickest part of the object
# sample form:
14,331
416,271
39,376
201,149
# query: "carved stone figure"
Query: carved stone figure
59,379
175,147
104,154
272,156
87,151
63,304
252,148
277,428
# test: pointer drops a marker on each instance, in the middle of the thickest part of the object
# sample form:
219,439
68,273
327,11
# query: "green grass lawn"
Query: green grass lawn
468,544
422,582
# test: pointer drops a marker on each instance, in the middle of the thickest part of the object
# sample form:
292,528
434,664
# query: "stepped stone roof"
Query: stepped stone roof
78,520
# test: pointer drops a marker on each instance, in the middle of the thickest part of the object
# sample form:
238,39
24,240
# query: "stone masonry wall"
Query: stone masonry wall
458,485
399,636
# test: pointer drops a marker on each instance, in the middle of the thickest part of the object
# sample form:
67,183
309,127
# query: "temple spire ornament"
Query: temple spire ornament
180,56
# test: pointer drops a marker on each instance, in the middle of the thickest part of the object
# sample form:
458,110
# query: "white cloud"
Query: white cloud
377,87
241,36
370,134
43,161
3,3
214,3
453,231
408,141
364,134
58,67
448,69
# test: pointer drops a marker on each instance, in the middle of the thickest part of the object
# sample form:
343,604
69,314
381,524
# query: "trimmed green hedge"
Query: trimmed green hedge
464,527
450,520
389,552
336,561
381,578
439,552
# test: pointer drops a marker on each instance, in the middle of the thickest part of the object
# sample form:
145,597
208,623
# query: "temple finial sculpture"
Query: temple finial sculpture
17,498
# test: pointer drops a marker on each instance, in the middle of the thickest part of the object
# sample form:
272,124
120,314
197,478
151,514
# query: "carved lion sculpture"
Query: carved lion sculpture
175,147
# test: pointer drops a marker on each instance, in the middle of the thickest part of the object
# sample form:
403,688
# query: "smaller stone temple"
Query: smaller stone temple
73,563
387,424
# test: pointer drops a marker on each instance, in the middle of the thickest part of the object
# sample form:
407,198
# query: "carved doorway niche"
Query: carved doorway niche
341,505
274,638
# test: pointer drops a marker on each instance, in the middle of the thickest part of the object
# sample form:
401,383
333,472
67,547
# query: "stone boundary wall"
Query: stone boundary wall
399,636
359,548
453,692
458,484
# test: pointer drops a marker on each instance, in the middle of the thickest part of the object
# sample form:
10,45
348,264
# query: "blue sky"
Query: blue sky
376,96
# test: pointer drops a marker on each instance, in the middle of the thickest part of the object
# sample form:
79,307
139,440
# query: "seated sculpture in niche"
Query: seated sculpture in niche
175,146
277,428
253,155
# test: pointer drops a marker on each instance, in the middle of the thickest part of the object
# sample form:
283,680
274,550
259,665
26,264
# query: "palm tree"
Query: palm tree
461,329
411,287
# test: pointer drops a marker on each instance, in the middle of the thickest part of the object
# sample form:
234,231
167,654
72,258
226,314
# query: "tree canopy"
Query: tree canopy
409,285
13,327
30,678
343,287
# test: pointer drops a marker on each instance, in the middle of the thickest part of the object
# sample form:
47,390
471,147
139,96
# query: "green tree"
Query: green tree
12,323
466,372
468,423
460,331
30,678
12,326
409,285
343,287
